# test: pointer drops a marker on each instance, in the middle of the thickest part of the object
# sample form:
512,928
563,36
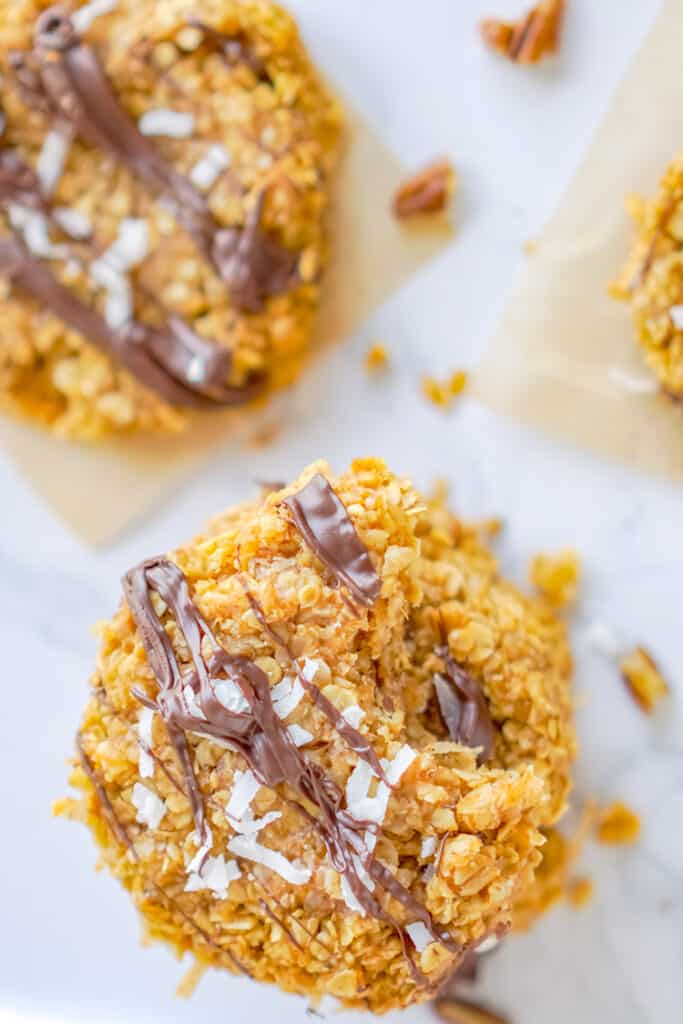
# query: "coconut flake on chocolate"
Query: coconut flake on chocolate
322,520
464,708
208,170
171,123
145,759
419,936
52,158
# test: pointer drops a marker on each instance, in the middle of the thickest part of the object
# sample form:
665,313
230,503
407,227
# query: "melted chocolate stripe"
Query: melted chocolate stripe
353,738
71,79
258,734
464,708
322,520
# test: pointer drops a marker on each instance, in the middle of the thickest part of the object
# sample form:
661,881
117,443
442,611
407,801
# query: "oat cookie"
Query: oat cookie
164,176
652,280
323,739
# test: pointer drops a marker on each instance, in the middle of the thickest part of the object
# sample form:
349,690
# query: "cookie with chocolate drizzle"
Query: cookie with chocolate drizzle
323,740
163,185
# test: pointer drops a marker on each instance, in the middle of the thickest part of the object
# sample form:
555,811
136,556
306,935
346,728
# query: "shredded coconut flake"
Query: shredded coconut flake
145,760
487,945
310,669
286,696
206,173
202,852
52,158
83,18
131,245
249,848
676,314
118,308
171,123
419,936
150,808
73,222
33,226
248,825
630,382
299,735
216,875
367,808
354,715
245,788
397,767
230,696
428,847
602,638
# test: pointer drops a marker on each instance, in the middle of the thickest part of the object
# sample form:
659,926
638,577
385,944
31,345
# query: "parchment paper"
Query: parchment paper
99,491
565,348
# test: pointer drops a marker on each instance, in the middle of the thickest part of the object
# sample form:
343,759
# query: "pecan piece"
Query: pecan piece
643,679
429,191
534,36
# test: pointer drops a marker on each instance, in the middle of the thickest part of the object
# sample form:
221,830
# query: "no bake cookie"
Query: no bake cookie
325,741
164,177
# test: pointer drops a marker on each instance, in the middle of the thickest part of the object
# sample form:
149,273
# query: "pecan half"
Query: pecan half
429,191
536,35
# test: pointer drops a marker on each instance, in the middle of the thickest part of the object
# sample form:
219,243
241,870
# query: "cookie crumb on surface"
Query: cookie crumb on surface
376,358
461,1011
428,191
556,576
190,980
580,892
443,394
618,825
534,36
643,679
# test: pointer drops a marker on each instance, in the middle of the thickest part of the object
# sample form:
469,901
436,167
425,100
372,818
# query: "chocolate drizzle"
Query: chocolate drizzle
464,708
180,365
322,520
64,77
257,734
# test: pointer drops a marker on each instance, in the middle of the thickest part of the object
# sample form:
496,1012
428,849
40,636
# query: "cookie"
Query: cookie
652,280
323,740
164,178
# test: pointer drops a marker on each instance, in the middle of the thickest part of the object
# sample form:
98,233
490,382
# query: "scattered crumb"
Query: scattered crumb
429,191
460,1011
580,892
536,35
642,677
556,576
530,247
443,394
188,983
618,825
265,435
376,359
492,527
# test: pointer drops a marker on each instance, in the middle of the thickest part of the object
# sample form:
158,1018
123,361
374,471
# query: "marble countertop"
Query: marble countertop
70,939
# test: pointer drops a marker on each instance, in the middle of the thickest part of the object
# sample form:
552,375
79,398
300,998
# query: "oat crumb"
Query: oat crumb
580,892
376,359
618,825
534,36
190,980
645,682
444,393
556,576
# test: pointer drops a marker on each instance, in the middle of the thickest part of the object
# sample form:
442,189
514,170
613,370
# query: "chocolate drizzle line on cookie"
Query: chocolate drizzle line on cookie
180,365
120,834
464,708
322,520
65,75
258,734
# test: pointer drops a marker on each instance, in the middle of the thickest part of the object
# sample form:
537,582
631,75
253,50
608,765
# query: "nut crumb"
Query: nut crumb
580,892
556,576
645,682
264,436
443,394
460,1011
190,980
376,359
428,191
534,36
618,825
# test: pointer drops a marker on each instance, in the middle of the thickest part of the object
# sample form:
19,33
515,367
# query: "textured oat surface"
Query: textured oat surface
439,585
652,280
281,135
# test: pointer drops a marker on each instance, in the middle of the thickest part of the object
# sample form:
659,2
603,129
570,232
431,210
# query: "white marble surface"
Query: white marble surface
69,938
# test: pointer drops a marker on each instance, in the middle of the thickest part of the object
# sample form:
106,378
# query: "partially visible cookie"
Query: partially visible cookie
652,280
164,176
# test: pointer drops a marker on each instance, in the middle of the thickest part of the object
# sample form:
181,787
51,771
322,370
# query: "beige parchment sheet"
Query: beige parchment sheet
99,491
552,361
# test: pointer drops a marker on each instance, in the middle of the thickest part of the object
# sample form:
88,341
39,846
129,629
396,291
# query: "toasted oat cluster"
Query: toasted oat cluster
325,741
164,176
652,280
